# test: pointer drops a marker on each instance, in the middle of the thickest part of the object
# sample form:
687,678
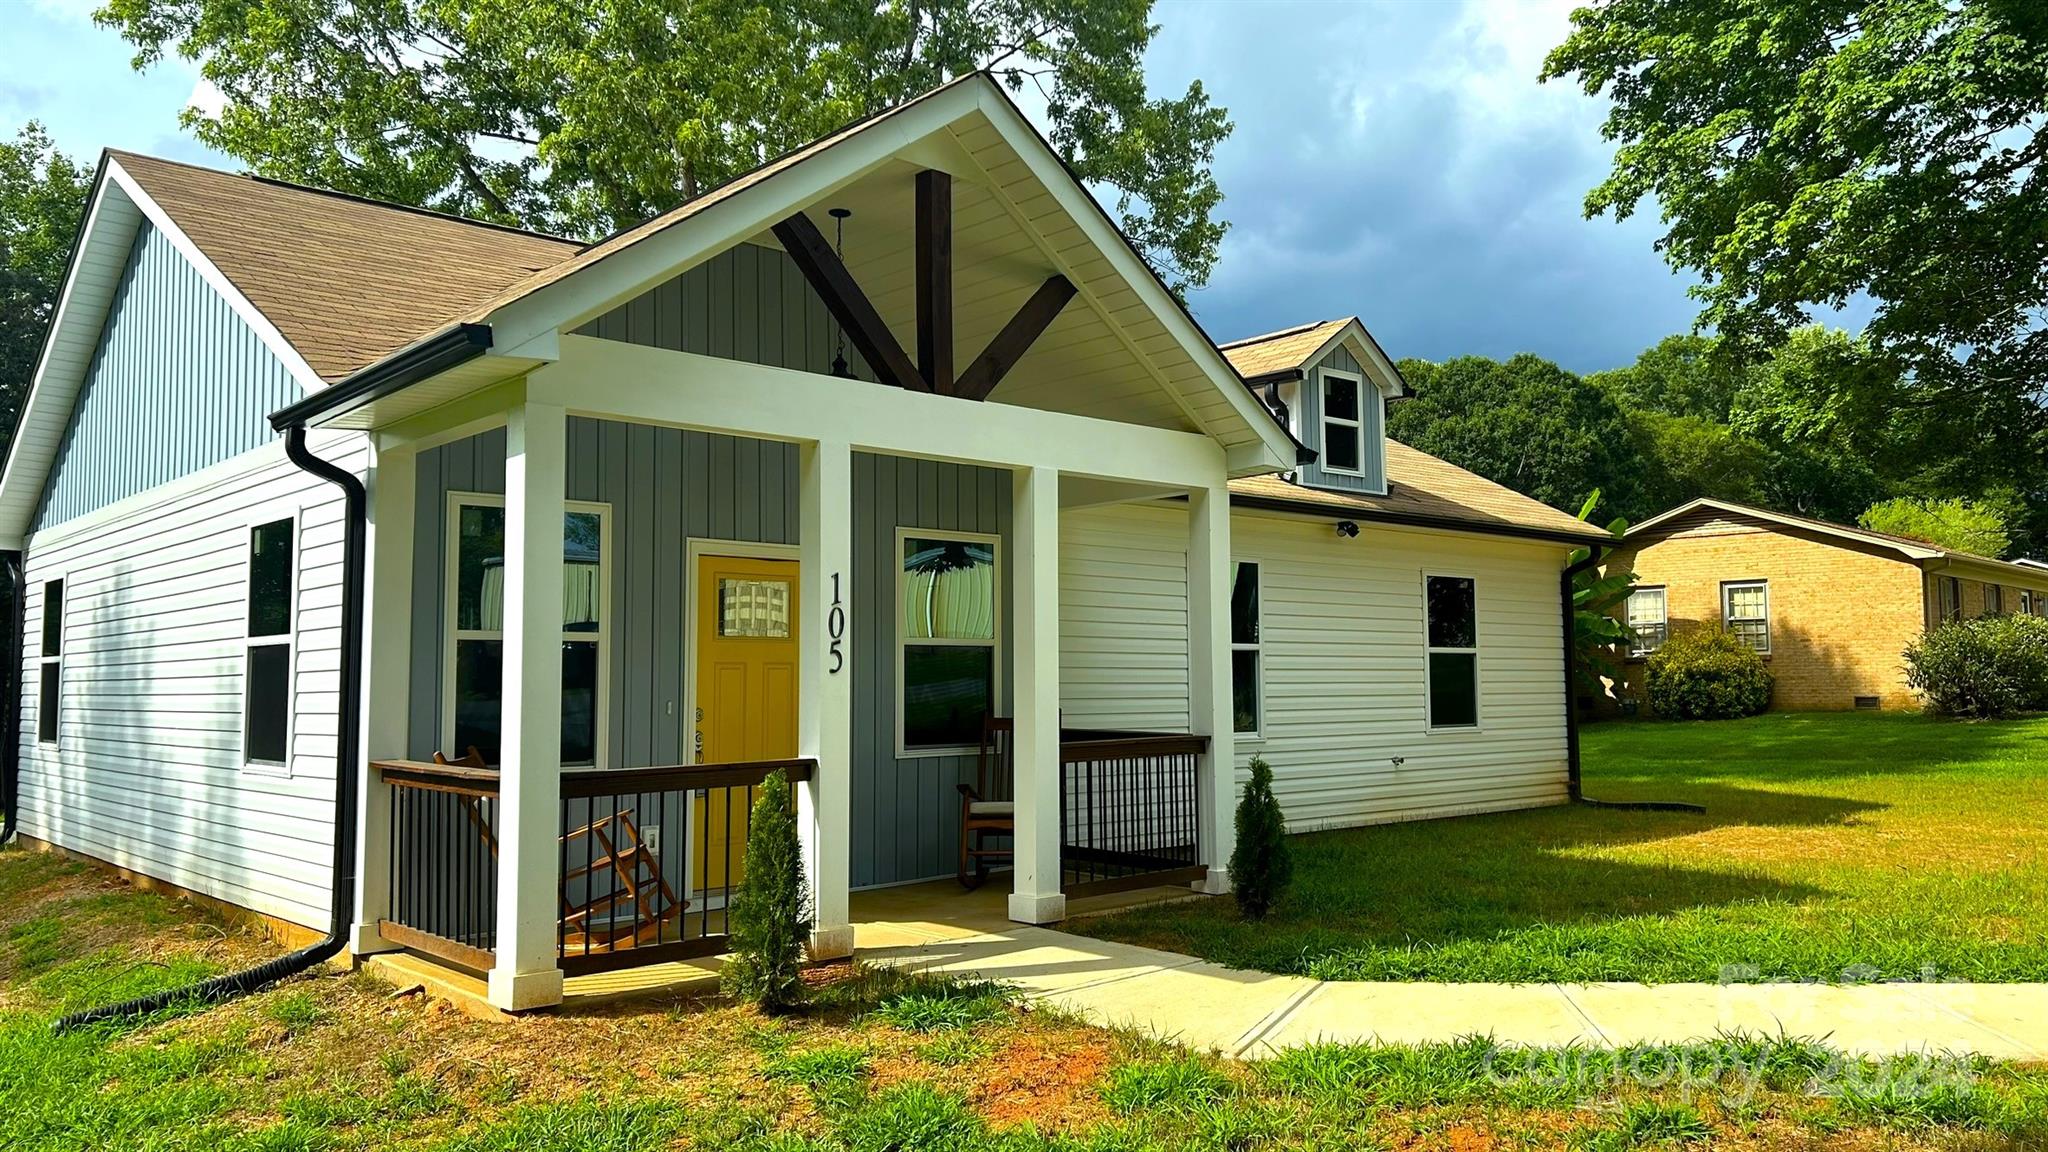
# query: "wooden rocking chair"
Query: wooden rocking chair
987,807
636,871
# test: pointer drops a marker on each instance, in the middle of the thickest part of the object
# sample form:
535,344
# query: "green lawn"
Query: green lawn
1834,847
883,1062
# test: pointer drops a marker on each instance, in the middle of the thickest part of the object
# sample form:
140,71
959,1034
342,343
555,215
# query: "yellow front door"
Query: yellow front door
746,692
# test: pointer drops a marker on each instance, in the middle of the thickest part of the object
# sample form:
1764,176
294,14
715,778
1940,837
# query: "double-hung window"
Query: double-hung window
1246,674
1343,424
267,673
1452,634
1994,600
947,632
1746,611
475,675
50,678
1948,599
1648,623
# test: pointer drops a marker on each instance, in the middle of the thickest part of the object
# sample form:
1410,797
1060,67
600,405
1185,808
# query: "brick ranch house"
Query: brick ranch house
1830,607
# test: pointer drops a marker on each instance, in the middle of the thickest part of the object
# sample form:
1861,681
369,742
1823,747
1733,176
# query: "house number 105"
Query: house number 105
835,627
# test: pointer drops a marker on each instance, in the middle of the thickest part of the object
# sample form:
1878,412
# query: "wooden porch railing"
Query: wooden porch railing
649,860
1130,810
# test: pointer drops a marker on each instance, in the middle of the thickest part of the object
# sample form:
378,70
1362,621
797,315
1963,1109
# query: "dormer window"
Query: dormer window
1343,447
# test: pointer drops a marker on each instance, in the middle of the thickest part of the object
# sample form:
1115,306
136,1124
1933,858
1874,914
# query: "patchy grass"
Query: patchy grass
886,1062
1836,847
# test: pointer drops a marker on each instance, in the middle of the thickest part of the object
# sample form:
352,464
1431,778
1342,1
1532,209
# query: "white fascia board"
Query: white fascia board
1086,214
1367,351
309,380
612,379
591,291
111,224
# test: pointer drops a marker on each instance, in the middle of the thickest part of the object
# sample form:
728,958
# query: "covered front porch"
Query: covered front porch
683,510
547,602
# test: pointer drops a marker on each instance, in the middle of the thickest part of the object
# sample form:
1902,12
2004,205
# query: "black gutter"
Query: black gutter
1408,520
1281,377
448,348
12,587
1571,668
347,745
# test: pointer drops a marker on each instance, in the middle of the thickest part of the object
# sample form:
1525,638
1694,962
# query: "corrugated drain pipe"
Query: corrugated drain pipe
1571,703
222,988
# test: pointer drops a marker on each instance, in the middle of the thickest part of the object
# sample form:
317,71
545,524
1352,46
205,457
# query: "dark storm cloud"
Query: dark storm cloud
1400,162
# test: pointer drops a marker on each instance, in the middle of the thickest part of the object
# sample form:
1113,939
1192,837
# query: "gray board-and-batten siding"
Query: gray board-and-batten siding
1372,438
174,349
666,487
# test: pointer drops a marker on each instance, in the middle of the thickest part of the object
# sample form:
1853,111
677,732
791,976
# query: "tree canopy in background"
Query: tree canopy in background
1825,426
1818,152
585,116
1523,422
1955,524
42,195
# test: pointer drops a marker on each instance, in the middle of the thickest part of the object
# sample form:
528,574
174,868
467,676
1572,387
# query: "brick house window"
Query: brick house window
1948,599
1746,611
1647,620
1994,600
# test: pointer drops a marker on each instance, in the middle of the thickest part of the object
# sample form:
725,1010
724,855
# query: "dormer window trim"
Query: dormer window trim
1358,423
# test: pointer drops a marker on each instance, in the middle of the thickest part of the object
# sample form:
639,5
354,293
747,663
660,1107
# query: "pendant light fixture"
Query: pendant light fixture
839,216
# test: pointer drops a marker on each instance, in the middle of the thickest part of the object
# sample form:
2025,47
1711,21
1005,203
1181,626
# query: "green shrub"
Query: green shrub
1989,667
1260,865
769,919
1706,674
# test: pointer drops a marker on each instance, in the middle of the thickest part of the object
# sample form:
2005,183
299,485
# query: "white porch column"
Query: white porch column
530,756
1035,897
387,668
825,694
1209,697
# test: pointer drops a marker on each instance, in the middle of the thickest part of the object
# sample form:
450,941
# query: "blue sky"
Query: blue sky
1393,160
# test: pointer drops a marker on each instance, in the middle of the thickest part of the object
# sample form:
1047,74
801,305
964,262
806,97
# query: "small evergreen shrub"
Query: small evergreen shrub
769,919
1990,667
1260,865
1706,674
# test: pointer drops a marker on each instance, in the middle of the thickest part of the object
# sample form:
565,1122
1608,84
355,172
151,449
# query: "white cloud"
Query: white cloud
206,99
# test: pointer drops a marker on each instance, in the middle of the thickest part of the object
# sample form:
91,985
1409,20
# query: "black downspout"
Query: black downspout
1571,669
344,889
1571,705
13,622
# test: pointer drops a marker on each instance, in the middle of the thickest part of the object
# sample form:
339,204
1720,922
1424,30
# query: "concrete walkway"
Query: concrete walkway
1254,1014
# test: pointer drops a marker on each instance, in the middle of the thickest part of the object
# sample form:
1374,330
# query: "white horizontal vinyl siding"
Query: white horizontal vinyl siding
147,772
1343,658
1124,618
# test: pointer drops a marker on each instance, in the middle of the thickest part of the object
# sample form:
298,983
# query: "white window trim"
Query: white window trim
1728,619
1635,645
288,639
1429,723
45,663
1324,419
903,749
1258,647
451,524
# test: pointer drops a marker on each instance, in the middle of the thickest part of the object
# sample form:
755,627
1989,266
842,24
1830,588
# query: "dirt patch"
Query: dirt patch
1051,1080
